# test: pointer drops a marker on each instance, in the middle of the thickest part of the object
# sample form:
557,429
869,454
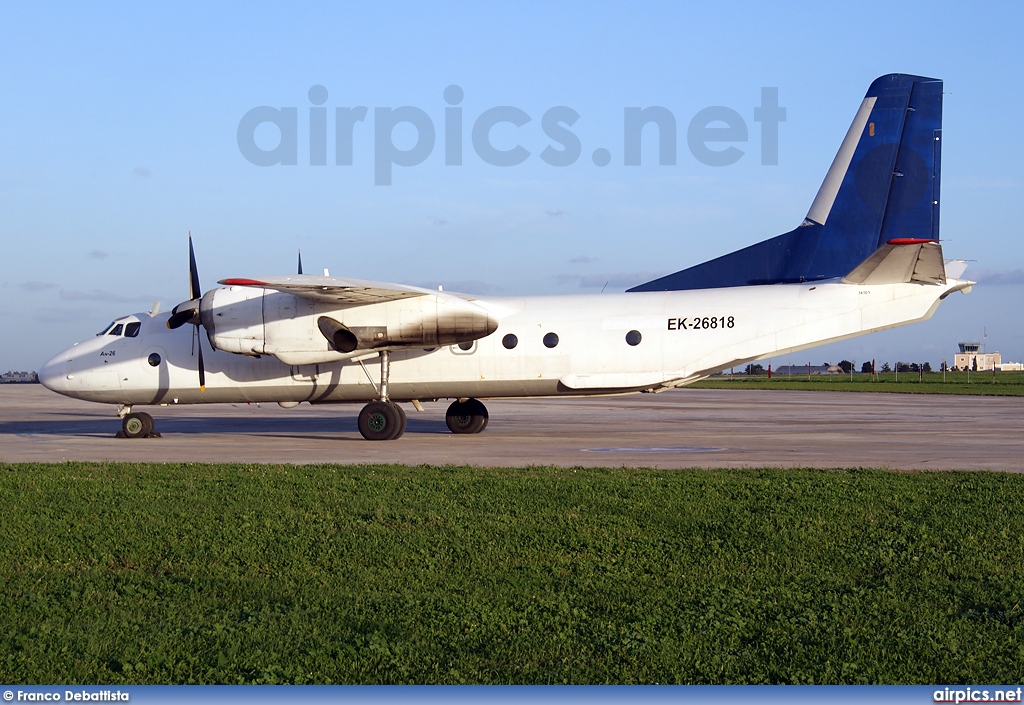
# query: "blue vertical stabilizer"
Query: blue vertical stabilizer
882,185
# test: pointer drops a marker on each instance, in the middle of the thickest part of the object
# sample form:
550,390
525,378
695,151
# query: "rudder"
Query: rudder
882,185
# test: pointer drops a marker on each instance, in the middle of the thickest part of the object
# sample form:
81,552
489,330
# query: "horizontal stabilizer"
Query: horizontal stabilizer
955,267
904,261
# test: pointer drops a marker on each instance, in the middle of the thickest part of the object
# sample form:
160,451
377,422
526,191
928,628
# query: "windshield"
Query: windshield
106,328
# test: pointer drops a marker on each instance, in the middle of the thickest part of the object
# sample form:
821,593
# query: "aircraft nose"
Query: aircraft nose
53,374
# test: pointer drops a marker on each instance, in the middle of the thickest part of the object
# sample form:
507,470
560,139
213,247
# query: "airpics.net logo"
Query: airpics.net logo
712,134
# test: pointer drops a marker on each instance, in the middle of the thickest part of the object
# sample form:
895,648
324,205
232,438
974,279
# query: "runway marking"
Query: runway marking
655,449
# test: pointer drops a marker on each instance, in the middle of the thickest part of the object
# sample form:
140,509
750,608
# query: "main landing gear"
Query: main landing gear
384,420
468,416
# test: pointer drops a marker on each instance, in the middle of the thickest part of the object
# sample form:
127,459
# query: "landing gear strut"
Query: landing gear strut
382,420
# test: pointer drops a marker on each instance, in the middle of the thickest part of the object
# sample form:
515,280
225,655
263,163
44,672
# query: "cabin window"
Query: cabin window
550,340
633,337
117,330
467,346
131,330
510,341
154,359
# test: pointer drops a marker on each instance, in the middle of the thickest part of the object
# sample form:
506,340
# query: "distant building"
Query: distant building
789,370
971,358
19,378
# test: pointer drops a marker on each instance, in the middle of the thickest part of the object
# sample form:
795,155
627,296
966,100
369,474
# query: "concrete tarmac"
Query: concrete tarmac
677,429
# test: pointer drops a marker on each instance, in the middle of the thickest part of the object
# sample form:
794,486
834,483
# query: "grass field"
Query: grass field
981,383
117,573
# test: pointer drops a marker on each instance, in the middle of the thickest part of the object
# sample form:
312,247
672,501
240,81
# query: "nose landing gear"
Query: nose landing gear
136,425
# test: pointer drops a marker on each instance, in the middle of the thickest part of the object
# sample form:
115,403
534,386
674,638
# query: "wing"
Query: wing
334,290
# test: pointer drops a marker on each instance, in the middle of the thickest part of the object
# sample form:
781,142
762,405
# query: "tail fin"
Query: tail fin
883,185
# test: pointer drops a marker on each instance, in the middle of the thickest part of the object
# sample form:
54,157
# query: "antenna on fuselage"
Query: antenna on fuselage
300,262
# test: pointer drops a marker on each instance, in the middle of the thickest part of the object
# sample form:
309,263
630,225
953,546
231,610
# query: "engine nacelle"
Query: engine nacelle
421,322
301,331
233,319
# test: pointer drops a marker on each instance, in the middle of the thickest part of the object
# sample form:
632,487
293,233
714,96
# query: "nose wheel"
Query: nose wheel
137,425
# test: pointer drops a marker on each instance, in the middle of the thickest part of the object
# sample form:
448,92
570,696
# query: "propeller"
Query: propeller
188,311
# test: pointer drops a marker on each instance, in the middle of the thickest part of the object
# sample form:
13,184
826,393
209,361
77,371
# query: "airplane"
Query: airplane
865,258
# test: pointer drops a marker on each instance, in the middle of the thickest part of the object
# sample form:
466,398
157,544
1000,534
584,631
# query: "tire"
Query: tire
135,426
378,421
148,421
402,421
478,409
466,417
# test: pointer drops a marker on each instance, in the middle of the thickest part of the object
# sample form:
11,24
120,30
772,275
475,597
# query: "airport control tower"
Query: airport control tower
970,353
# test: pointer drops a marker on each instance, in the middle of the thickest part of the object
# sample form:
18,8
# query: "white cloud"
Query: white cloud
615,280
34,286
1000,277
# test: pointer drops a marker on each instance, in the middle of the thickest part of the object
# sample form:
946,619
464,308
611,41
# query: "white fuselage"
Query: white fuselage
684,336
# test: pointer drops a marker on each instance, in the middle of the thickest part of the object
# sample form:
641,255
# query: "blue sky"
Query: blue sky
118,135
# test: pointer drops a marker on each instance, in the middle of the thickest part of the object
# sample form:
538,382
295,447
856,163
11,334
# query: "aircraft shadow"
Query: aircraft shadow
271,426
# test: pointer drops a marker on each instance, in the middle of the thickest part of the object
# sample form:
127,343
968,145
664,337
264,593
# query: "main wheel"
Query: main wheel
379,421
137,425
402,421
469,416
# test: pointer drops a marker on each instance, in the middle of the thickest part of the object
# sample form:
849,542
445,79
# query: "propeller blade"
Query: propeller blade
202,367
194,291
185,312
300,262
188,312
177,320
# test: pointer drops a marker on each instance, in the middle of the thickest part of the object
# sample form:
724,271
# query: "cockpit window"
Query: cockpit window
132,329
106,328
116,330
